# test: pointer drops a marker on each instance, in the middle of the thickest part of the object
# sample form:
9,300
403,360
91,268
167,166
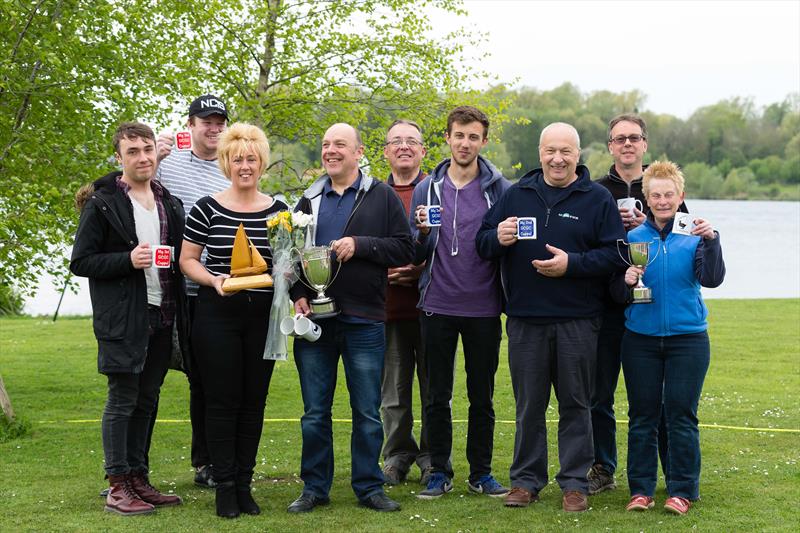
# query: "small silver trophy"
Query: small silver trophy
639,255
316,265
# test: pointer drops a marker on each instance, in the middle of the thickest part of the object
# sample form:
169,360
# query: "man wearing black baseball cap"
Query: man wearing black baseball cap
190,175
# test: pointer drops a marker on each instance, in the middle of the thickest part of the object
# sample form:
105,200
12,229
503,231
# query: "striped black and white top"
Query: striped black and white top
189,178
213,226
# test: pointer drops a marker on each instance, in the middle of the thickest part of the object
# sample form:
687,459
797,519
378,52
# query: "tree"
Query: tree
296,67
72,69
64,83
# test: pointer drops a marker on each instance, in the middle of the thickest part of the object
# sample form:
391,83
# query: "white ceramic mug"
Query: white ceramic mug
629,203
433,216
306,328
287,325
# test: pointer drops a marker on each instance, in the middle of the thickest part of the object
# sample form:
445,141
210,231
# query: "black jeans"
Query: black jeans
228,336
132,400
197,402
480,338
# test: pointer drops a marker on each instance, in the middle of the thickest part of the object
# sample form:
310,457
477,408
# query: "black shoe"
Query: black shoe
306,503
202,477
227,504
246,502
380,502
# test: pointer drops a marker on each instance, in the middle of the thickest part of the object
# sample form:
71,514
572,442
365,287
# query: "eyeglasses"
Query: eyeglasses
397,141
620,139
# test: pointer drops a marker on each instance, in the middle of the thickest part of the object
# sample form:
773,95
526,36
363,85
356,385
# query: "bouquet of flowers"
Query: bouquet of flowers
286,231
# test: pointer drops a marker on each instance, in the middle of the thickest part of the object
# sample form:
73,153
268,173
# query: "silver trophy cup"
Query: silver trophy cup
317,268
639,255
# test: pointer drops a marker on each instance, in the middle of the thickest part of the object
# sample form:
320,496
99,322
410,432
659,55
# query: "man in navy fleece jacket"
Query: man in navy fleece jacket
553,285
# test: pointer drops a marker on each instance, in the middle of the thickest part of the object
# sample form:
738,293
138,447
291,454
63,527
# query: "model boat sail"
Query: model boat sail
247,266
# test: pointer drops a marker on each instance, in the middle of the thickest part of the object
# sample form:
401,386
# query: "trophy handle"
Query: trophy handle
294,252
620,253
658,250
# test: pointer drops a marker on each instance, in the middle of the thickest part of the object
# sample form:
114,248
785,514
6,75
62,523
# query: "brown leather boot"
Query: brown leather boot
122,499
147,492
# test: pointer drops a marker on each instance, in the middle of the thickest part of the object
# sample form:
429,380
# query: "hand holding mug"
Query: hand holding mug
704,229
142,256
164,145
507,231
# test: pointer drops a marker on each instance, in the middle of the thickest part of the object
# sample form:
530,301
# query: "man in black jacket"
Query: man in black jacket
128,238
364,222
627,144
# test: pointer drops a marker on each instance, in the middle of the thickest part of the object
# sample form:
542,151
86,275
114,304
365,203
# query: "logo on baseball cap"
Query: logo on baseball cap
208,105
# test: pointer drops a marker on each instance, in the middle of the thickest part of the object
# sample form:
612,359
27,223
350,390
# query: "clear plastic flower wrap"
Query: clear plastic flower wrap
286,231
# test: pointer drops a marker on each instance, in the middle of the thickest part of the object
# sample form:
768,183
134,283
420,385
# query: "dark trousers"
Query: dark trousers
404,354
197,402
228,336
480,338
664,374
132,400
604,424
562,355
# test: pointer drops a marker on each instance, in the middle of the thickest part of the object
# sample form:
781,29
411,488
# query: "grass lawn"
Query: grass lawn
49,479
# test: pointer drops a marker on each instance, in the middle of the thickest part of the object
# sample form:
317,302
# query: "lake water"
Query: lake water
750,233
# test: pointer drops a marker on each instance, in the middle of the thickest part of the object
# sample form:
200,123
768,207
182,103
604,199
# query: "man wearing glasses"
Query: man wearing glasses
459,295
404,151
627,143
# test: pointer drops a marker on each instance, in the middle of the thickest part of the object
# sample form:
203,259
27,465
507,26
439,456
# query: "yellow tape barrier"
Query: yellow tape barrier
348,421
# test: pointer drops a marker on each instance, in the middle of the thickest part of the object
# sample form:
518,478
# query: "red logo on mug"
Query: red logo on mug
183,140
162,256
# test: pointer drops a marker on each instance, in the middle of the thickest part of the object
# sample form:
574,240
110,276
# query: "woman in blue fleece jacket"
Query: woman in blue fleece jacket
665,350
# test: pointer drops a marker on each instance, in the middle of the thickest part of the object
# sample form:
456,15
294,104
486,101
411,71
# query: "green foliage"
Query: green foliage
725,137
67,77
71,70
13,429
295,68
702,181
11,302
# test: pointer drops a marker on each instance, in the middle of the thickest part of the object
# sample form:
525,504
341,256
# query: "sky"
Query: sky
683,55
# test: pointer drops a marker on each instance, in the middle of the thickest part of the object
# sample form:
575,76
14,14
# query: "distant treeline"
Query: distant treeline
727,150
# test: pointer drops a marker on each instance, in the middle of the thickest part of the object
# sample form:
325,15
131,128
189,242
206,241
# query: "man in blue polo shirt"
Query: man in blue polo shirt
364,223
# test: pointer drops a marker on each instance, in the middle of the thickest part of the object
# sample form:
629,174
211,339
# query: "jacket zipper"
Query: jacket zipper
433,255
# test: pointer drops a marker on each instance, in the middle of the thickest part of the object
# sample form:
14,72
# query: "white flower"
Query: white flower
301,220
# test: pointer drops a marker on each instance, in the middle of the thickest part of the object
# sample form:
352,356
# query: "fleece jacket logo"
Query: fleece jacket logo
567,215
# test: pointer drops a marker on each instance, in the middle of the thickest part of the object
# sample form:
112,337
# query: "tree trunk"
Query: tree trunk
5,401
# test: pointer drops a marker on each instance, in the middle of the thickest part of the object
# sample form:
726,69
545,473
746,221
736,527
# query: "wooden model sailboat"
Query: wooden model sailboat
247,266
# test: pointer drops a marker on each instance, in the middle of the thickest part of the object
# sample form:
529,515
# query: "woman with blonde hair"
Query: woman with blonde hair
230,329
665,349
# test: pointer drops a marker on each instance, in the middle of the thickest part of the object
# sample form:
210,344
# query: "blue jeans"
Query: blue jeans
361,347
604,424
668,372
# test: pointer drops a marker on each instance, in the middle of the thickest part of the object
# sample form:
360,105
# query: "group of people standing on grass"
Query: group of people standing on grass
548,251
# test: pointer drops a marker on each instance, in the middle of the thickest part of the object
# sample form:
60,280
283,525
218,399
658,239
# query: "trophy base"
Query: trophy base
247,282
642,295
323,308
